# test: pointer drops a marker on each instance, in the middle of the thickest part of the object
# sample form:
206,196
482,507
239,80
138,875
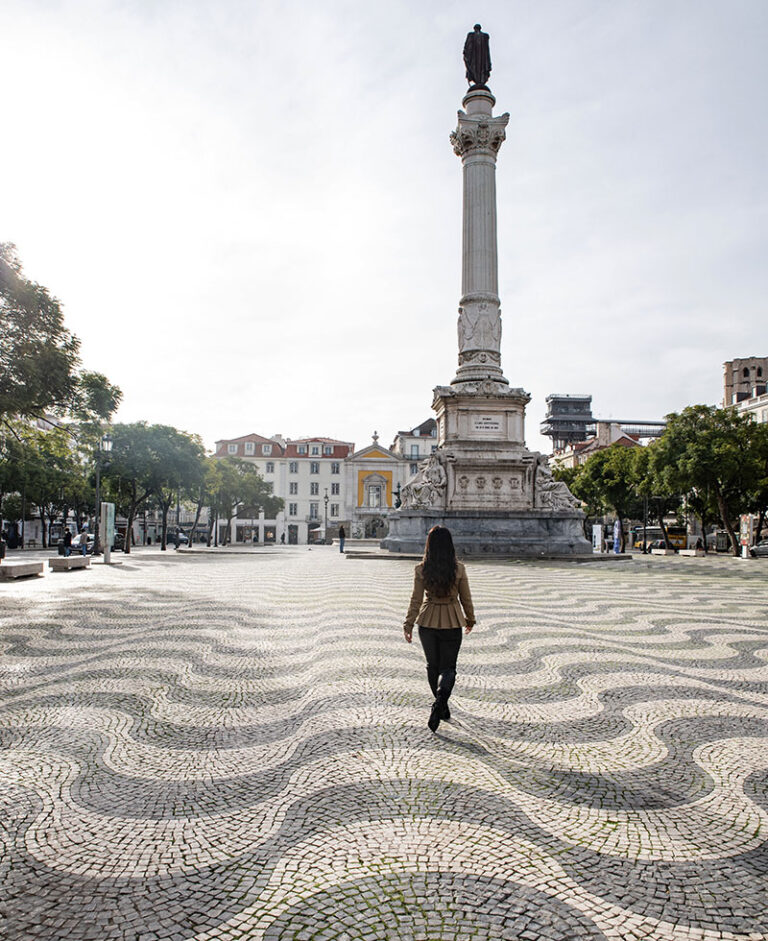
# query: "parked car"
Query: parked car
760,549
172,537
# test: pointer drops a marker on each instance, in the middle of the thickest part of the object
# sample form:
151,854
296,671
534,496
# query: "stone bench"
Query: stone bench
699,553
662,551
20,569
68,562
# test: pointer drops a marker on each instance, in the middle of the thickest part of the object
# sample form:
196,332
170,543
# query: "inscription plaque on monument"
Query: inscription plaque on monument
486,423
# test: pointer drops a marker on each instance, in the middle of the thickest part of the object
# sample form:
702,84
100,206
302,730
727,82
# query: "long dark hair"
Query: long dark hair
439,561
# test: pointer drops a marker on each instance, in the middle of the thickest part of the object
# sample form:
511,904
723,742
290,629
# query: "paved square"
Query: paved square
235,747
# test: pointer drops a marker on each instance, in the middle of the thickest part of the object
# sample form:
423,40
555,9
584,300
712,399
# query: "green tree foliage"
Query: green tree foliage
757,497
54,474
658,501
151,462
133,471
609,476
208,488
716,457
39,358
242,487
607,481
182,469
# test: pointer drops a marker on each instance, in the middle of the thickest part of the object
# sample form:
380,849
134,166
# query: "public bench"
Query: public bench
699,553
68,562
662,551
20,569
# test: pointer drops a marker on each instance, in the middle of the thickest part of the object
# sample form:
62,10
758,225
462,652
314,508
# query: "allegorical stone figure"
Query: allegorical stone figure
477,56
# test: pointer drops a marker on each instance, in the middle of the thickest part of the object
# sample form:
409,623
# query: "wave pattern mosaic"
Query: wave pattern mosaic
236,748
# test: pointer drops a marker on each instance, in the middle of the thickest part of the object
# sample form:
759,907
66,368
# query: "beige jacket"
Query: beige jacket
440,612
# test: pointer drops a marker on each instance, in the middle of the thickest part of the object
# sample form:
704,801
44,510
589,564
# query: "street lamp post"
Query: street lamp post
325,501
105,446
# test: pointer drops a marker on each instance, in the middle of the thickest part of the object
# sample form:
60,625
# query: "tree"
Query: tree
181,470
209,486
134,471
53,473
608,480
39,358
658,500
241,485
714,456
757,498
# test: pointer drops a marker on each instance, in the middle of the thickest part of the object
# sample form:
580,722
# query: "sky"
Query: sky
251,212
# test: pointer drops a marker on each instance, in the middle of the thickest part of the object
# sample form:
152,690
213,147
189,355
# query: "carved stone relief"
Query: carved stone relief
552,494
427,487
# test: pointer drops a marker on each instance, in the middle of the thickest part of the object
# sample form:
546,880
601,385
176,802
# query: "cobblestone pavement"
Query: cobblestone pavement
203,747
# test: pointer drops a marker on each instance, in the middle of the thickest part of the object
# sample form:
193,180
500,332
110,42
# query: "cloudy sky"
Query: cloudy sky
252,213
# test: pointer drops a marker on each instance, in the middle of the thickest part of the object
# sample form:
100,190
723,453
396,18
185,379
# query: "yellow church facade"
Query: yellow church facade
374,475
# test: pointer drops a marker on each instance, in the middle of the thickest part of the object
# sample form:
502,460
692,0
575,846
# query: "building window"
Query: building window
335,467
414,469
313,510
266,449
250,447
293,467
374,496
231,449
293,488
314,490
293,509
334,509
302,449
335,490
270,467
414,450
434,448
315,448
314,467
327,449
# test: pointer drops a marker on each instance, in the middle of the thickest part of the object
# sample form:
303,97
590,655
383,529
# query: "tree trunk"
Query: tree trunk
664,533
129,529
198,511
164,525
727,523
703,520
760,524
211,524
51,521
43,530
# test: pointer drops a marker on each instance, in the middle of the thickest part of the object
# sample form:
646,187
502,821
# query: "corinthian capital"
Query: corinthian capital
479,134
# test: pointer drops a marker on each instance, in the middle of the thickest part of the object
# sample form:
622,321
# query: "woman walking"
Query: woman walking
440,616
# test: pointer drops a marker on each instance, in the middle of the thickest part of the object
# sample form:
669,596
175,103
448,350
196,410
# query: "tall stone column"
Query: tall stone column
477,140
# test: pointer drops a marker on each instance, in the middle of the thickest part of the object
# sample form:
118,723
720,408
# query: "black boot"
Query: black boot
446,712
435,715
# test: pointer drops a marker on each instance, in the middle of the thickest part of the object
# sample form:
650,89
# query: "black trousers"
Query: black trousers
441,648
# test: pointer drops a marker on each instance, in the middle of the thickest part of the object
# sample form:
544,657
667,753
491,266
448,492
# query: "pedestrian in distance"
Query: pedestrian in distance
440,616
342,537
67,542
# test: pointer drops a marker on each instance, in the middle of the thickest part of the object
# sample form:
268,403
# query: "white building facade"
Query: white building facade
307,474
